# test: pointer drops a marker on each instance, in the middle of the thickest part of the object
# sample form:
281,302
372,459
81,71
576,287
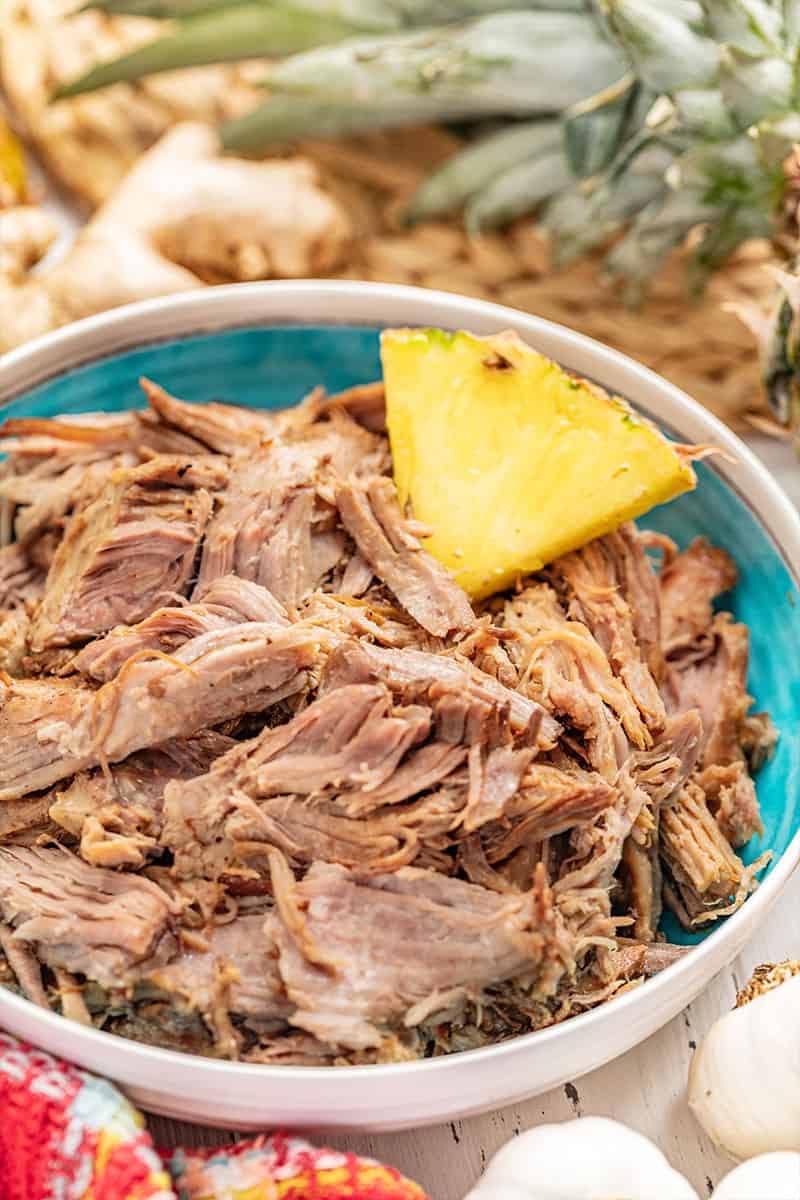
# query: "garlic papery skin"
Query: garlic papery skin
768,1177
744,1079
590,1158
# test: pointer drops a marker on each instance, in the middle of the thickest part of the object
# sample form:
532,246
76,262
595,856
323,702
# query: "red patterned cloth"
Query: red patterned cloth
67,1135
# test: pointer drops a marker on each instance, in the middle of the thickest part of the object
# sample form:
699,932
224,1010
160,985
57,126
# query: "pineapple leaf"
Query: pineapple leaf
367,15
657,230
580,222
721,237
586,217
775,138
518,191
754,87
159,9
244,31
753,25
594,128
666,52
703,111
284,118
479,164
791,26
525,63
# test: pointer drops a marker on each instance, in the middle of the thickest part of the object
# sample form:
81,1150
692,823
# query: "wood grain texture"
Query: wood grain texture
644,1088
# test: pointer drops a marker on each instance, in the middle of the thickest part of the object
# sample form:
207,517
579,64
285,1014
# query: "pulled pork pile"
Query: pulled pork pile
271,789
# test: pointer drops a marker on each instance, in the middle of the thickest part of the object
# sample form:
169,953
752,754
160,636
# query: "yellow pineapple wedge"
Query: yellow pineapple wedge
509,460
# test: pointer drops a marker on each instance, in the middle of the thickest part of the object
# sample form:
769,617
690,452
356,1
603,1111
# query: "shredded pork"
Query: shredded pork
271,787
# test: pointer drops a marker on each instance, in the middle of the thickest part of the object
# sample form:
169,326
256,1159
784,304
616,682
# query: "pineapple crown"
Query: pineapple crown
632,120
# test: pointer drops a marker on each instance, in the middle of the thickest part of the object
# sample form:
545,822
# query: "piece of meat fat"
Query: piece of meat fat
386,540
361,957
50,729
85,920
128,552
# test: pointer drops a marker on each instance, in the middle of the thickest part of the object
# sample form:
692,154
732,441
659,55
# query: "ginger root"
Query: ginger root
183,217
90,142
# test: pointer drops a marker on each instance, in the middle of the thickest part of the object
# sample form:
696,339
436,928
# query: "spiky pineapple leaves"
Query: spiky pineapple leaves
236,32
637,119
214,31
525,63
723,124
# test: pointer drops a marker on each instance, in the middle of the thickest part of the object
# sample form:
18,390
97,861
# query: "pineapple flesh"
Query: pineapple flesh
509,460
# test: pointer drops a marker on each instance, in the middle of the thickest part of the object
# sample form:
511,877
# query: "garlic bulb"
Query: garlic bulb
592,1158
744,1079
768,1177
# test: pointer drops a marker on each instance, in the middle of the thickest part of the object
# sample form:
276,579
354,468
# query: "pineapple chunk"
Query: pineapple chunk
509,460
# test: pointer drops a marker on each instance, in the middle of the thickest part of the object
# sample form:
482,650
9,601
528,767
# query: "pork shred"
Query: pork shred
272,789
50,729
389,543
129,551
98,923
707,662
278,523
361,957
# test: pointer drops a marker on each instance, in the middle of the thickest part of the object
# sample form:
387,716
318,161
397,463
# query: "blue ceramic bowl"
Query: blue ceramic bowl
267,345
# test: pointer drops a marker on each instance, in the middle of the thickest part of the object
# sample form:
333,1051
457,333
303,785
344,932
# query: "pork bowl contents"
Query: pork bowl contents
275,787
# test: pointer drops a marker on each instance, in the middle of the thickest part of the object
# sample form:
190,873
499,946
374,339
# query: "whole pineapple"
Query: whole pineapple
656,117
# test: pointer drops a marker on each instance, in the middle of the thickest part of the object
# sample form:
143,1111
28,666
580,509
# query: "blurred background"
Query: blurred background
625,167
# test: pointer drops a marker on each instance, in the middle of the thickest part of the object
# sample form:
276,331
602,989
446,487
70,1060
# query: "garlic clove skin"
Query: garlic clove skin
744,1079
590,1158
768,1177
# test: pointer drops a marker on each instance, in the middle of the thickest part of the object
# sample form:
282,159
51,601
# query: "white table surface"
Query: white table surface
646,1088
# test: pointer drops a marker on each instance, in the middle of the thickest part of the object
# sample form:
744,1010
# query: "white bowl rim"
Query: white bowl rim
347,302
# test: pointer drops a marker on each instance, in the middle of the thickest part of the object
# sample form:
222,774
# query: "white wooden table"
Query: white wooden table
645,1088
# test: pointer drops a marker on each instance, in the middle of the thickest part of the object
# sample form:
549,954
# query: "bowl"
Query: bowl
268,344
